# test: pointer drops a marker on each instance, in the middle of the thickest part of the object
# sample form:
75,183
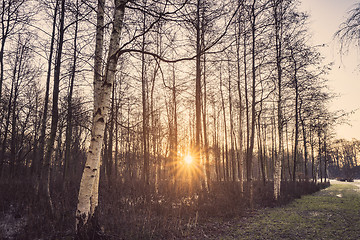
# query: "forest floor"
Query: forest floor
332,213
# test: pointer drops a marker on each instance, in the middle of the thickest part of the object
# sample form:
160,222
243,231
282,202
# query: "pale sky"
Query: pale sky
344,78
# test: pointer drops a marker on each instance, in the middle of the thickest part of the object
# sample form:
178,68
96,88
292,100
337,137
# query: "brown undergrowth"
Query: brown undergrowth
130,211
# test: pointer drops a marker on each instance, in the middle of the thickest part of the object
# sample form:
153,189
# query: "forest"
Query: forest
131,119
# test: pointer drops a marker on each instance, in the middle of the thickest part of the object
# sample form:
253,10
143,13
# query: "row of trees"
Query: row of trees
233,83
253,66
343,159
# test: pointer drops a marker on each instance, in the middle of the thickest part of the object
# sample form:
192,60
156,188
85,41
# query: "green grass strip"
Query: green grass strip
333,213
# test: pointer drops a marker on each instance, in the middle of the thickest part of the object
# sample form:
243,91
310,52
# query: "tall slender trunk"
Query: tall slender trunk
313,175
216,144
17,72
232,153
273,144
296,140
304,142
175,122
145,125
240,151
153,116
128,157
5,27
278,45
325,158
89,186
260,151
253,107
116,157
206,144
7,119
226,168
204,99
223,164
266,168
67,173
40,162
246,95
2,50
320,157
288,152
55,111
198,94
36,127
109,165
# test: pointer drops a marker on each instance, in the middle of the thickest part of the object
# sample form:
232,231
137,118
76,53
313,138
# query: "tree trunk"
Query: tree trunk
232,153
5,25
17,71
197,178
325,159
320,157
278,45
66,174
40,161
240,151
109,165
117,106
305,143
206,144
89,186
7,120
260,151
296,140
217,151
253,108
312,156
55,113
175,127
145,121
226,167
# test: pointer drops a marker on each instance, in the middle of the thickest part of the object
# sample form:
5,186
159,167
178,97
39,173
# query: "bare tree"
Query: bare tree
348,32
38,162
13,20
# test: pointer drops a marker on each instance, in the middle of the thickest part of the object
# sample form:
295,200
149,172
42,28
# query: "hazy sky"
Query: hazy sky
344,78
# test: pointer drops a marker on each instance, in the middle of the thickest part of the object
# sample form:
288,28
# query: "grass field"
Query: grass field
333,213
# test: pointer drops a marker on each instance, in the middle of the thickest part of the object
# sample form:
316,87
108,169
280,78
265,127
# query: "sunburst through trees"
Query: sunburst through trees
170,110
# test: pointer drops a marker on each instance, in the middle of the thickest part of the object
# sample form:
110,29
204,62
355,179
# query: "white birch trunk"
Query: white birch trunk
277,178
278,14
89,186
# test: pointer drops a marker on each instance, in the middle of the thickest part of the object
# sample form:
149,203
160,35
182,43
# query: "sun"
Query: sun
188,159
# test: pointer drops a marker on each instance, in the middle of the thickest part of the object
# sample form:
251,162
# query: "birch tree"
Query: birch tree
89,186
278,27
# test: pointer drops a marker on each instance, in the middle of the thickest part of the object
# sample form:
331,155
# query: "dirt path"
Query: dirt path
333,213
